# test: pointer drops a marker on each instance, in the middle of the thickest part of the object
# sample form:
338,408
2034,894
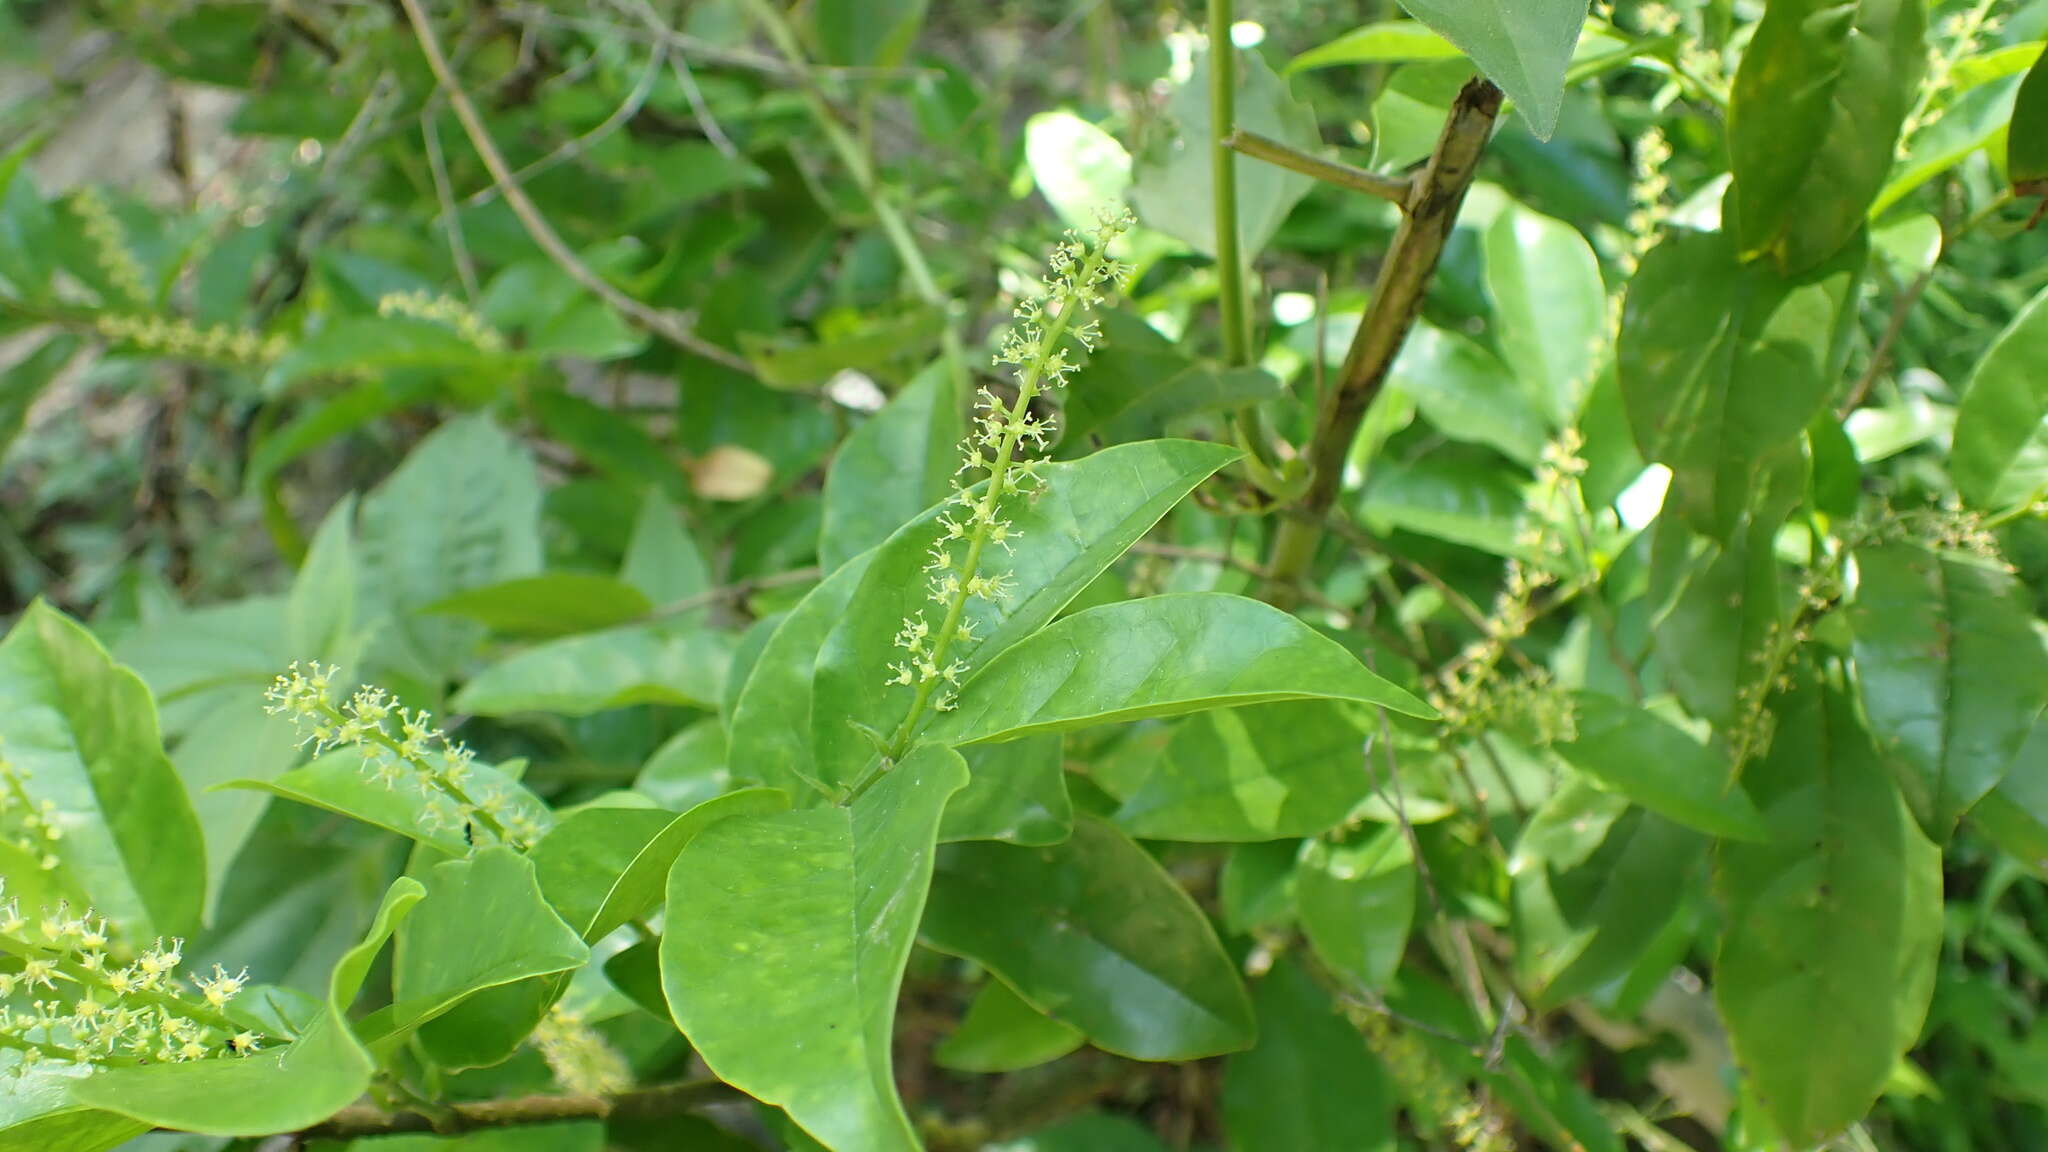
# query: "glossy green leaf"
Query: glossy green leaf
603,867
1172,186
338,782
1649,755
898,463
1311,1084
1952,673
37,1113
284,1089
1722,363
461,512
1832,929
551,604
1818,101
1468,393
799,924
1522,45
1714,606
1458,493
1387,41
1551,306
1256,773
1408,112
2015,814
1094,933
1356,903
2026,149
82,733
1160,656
1973,122
662,663
2000,452
662,559
1017,793
484,924
1089,512
1001,1033
688,769
770,742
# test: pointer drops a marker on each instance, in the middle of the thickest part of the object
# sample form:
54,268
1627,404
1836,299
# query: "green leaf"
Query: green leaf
603,867
1715,606
354,346
1001,1033
1818,101
1139,382
799,924
1467,393
1257,773
1999,455
770,742
663,560
1648,755
1356,902
2015,814
1464,495
551,604
2026,148
1384,42
37,1113
898,463
688,769
1551,307
462,511
484,924
321,620
22,381
82,732
1973,122
1833,929
1311,1084
866,33
287,1088
1017,793
26,230
1077,166
1522,45
1172,187
338,783
1094,933
1722,363
664,663
1408,113
1160,656
1952,674
1085,517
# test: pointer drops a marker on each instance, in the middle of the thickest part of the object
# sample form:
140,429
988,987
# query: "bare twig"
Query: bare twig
630,107
1328,171
1426,223
1880,356
669,325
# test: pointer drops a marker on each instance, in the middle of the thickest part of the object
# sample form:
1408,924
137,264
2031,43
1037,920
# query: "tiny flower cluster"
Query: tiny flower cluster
1082,273
398,745
34,830
68,994
579,1057
1647,192
181,339
109,242
446,311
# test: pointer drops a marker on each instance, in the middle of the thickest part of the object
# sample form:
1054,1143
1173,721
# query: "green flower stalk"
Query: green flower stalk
1036,346
69,994
398,745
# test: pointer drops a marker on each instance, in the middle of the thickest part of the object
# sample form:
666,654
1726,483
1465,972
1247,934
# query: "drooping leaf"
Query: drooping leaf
1256,773
799,924
662,663
1173,187
1832,929
1001,1033
1819,99
1310,1084
1160,656
1723,363
2026,148
2000,452
1645,754
1087,514
1522,45
82,733
1094,933
1356,902
1952,674
1551,306
895,465
284,1089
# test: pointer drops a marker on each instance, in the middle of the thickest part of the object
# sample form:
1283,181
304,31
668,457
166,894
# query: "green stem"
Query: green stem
447,787
79,974
1223,177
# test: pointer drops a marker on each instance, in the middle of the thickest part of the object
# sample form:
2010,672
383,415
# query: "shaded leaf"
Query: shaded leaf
1522,45
1311,1084
1255,773
1999,456
1001,1033
1017,793
663,663
1356,902
1649,756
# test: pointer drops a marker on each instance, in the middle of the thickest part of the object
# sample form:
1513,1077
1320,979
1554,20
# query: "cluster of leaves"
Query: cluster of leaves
533,577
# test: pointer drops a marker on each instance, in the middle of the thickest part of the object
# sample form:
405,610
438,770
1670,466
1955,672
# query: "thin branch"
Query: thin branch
1396,300
669,325
1880,356
437,164
635,100
1293,159
519,1111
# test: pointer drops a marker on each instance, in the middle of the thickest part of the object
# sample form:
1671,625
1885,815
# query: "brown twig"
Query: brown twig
1428,215
1328,171
665,323
518,1111
1902,310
